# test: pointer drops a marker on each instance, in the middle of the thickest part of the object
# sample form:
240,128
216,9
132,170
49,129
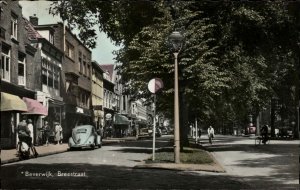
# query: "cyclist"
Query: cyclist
210,133
264,133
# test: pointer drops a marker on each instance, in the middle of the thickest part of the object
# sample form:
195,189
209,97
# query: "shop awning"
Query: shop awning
11,102
121,120
35,107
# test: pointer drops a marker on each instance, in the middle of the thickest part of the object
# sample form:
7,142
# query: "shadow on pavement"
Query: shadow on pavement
278,162
108,177
112,177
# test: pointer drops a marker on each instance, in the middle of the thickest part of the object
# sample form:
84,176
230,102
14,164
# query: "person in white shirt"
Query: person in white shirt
210,133
30,127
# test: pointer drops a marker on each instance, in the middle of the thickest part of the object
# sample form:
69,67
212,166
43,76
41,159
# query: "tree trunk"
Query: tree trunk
183,122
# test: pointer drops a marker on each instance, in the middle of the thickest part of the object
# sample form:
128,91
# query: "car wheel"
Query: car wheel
93,146
99,145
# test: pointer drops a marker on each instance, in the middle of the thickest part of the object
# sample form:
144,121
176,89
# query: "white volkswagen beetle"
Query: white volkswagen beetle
84,136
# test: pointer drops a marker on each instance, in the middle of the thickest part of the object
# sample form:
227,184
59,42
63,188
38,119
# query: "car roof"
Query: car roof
84,126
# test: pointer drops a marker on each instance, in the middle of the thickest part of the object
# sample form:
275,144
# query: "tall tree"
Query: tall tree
236,55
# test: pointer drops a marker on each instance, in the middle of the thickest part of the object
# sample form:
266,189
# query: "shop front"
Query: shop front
121,125
35,111
73,116
11,107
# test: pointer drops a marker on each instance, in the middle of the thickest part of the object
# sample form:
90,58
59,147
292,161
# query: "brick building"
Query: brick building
75,81
97,95
18,74
48,61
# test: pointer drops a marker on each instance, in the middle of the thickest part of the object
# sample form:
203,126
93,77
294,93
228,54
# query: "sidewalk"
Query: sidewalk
9,156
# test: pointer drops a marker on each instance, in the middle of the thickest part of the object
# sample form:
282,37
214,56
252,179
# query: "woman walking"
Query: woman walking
58,132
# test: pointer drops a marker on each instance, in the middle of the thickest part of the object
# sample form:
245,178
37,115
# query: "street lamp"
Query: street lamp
176,40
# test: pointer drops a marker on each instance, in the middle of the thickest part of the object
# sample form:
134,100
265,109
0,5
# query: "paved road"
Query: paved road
264,166
112,167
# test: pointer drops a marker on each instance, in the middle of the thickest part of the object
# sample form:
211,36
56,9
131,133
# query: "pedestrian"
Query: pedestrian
46,129
58,131
210,133
264,133
30,127
24,134
61,133
199,133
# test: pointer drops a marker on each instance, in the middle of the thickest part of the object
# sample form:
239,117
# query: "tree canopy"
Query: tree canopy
235,57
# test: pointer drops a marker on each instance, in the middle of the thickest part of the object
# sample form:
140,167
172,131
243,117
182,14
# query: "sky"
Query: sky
103,51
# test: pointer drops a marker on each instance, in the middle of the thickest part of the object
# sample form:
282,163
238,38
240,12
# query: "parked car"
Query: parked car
84,136
164,131
157,132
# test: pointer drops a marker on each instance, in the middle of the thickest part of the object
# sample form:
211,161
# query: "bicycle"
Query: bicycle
258,140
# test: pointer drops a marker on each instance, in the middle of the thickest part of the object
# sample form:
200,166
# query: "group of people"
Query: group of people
25,131
25,134
264,133
45,132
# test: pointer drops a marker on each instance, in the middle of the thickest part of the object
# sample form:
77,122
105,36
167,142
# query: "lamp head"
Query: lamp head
176,40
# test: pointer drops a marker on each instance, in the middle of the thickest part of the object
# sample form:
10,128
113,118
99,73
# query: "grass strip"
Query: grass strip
187,155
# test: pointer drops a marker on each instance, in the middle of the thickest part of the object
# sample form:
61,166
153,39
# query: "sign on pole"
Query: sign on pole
154,86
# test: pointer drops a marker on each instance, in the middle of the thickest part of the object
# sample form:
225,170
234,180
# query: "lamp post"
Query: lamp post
176,40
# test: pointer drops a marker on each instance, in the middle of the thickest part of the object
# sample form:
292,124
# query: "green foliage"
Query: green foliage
236,55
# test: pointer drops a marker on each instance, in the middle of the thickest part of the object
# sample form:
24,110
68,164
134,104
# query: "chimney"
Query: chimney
34,20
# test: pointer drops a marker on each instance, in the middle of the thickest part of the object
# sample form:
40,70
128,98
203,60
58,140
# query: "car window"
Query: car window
81,130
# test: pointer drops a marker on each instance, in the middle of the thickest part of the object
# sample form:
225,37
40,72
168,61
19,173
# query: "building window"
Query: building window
69,50
21,70
56,79
89,71
14,26
44,76
1,10
80,61
5,64
50,74
51,38
84,65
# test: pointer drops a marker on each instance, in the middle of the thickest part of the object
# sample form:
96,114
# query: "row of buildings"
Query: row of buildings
48,74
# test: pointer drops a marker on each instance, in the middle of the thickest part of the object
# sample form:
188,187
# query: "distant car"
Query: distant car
157,132
84,136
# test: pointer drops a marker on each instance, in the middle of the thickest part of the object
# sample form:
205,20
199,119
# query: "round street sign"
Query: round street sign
155,85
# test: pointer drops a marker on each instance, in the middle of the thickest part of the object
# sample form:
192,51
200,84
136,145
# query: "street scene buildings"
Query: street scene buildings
198,95
48,66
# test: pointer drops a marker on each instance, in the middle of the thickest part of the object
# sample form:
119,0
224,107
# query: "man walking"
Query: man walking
210,133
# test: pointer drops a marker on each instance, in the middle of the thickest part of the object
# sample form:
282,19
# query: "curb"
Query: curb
182,167
215,167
